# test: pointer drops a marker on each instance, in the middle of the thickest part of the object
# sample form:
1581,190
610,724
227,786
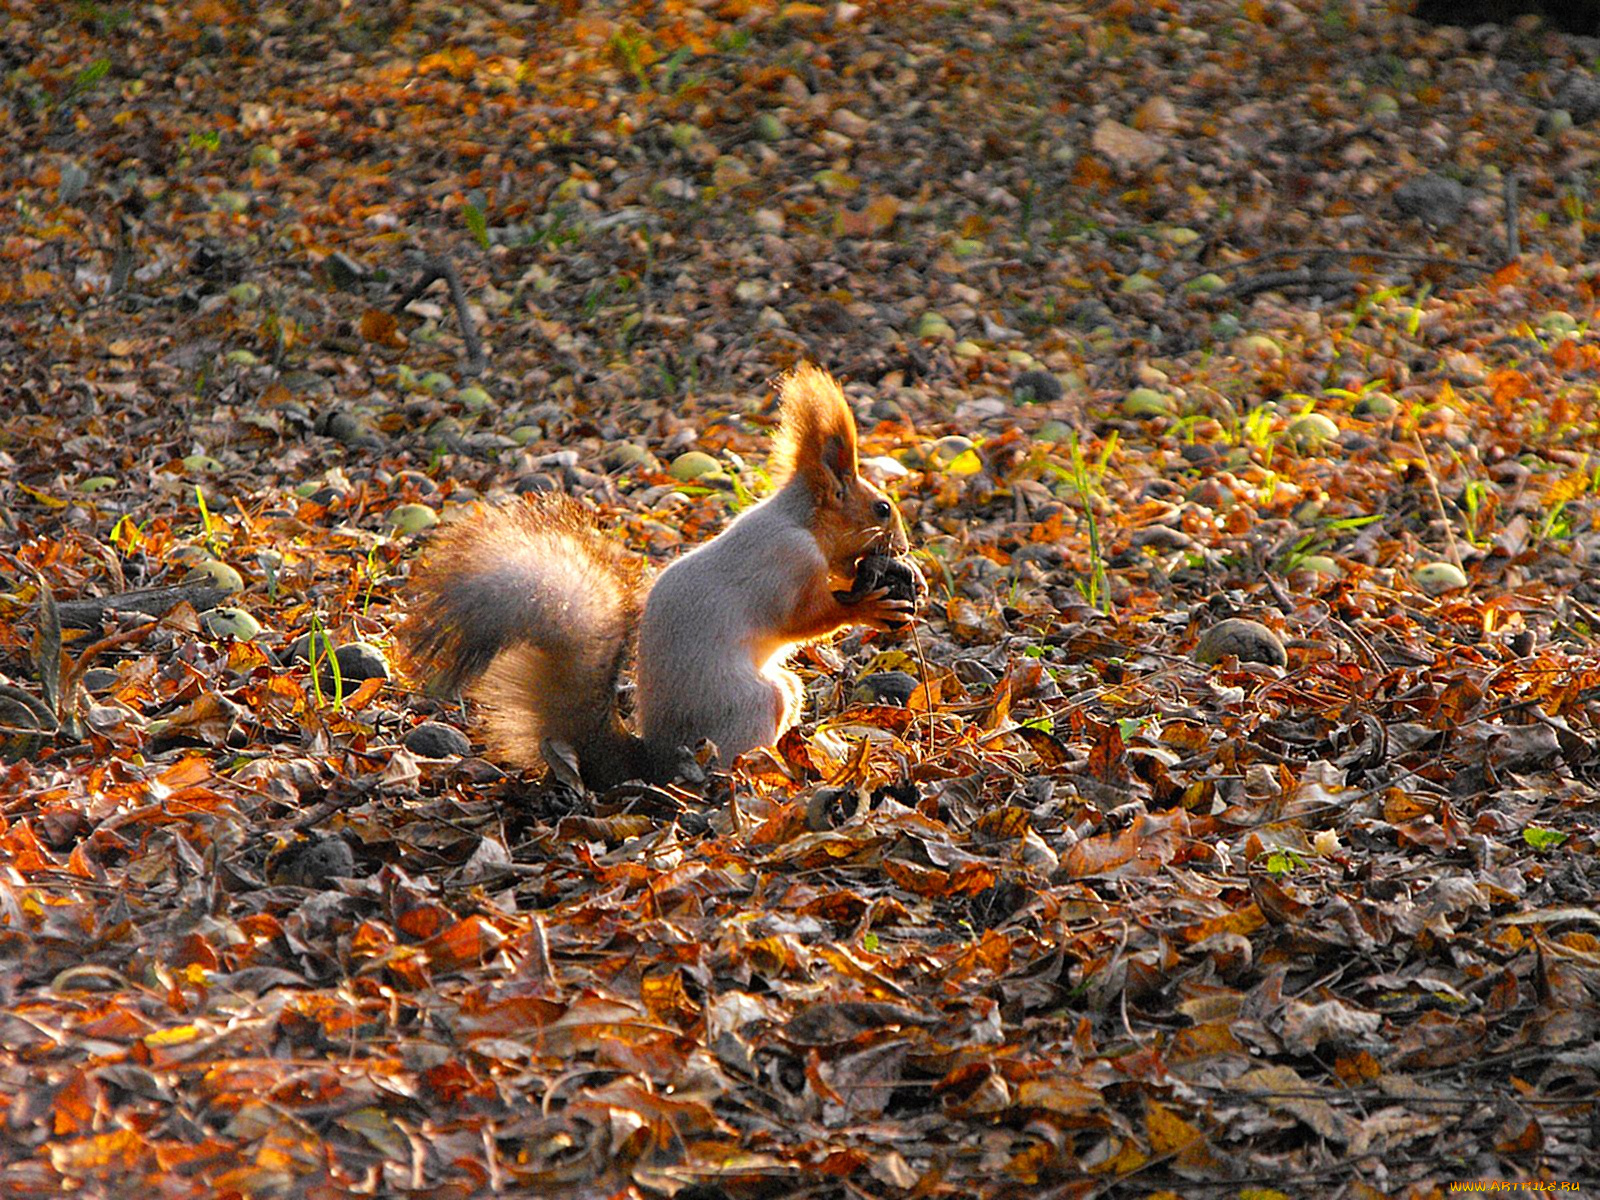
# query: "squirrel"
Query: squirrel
532,608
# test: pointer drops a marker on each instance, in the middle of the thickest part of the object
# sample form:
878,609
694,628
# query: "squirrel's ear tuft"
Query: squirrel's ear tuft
816,429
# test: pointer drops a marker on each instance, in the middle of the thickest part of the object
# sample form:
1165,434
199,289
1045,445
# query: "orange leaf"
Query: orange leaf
464,944
74,1105
453,1083
516,1014
371,938
1358,1068
873,218
381,328
969,879
666,997
425,921
186,772
1505,275
1106,756
1243,921
363,695
1010,821
924,881
121,1149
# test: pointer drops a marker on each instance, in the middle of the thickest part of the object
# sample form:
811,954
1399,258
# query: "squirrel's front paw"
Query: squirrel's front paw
884,592
881,610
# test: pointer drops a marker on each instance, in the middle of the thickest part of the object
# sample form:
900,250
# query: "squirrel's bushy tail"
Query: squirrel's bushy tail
530,609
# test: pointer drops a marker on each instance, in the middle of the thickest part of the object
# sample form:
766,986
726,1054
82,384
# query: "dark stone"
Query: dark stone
829,316
1248,641
831,807
1435,199
1579,94
887,408
889,687
1091,314
347,428
435,739
1036,387
343,271
310,864
536,482
360,660
357,661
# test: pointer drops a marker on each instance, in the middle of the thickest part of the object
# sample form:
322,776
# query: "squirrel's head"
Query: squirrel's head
816,443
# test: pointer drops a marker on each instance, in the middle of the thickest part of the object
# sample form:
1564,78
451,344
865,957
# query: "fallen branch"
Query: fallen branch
433,270
122,263
1293,279
1316,253
153,602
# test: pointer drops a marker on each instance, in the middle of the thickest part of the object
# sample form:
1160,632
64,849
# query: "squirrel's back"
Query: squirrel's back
722,620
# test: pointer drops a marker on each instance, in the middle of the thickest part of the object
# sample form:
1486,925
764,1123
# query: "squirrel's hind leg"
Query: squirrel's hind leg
745,714
790,697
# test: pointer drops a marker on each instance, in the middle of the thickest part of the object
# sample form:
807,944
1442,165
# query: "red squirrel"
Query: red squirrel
532,608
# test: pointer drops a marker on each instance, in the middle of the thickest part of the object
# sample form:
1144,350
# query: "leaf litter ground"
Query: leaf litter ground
1155,316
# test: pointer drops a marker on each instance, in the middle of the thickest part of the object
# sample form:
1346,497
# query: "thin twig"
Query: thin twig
922,662
1438,501
73,675
1373,661
341,798
1513,234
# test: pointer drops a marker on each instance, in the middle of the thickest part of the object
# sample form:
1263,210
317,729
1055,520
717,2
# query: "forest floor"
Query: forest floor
1155,315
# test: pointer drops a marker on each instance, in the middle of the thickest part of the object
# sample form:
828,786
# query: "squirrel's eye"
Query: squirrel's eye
881,510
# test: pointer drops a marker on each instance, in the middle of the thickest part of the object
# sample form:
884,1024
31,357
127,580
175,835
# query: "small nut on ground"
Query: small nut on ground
1248,641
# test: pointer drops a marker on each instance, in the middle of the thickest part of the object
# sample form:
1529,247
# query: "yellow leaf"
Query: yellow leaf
126,535
37,283
965,463
1568,488
1128,1158
176,1036
43,498
1168,1131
